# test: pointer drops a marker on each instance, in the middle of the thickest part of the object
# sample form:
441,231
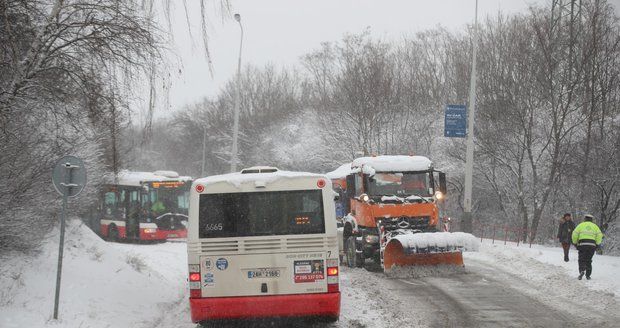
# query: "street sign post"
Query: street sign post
69,179
455,124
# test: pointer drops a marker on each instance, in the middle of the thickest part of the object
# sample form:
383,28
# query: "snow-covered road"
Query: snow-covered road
483,296
124,285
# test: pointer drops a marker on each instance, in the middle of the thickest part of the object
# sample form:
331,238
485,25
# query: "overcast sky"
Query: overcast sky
280,31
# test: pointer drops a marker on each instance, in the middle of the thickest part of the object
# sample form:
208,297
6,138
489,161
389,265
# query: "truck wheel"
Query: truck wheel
354,260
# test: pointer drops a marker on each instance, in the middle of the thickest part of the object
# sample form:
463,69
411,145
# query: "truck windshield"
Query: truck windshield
400,184
261,214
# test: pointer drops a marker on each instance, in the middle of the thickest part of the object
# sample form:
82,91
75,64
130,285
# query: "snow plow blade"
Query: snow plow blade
428,249
396,255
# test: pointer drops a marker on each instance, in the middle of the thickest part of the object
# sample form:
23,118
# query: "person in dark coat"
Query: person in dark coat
565,232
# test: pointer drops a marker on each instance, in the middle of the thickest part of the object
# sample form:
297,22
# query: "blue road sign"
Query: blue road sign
455,125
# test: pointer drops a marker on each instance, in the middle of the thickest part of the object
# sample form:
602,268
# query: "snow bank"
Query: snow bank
103,284
394,163
461,240
237,179
546,265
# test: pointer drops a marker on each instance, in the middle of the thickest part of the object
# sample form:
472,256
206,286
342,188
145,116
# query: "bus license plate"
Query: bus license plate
266,273
172,235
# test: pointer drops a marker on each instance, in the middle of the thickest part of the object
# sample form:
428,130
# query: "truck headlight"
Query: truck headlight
439,195
371,239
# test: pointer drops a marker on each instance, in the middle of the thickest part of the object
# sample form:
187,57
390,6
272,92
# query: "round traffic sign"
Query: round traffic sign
69,176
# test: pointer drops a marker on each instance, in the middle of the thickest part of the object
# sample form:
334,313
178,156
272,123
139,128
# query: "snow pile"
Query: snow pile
341,172
461,240
411,198
132,178
393,163
103,284
392,199
237,179
368,170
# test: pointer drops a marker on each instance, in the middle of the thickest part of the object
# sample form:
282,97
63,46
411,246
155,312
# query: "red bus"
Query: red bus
144,206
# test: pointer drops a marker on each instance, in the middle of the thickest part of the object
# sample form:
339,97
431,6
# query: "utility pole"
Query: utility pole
204,150
469,162
233,162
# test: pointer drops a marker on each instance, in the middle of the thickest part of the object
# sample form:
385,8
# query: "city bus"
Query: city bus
262,243
144,206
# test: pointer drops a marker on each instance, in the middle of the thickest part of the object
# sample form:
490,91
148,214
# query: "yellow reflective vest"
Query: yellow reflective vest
587,233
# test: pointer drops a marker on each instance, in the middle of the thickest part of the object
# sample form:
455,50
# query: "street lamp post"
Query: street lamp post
233,162
469,158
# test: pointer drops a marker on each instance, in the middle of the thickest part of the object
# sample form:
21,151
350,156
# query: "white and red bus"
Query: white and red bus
147,206
262,243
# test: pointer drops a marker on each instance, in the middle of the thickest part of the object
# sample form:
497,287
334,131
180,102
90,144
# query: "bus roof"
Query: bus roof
237,179
132,178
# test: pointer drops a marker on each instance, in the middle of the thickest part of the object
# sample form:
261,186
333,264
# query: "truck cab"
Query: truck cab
387,193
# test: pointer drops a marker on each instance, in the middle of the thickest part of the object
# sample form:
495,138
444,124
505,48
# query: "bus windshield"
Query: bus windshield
400,184
261,214
161,200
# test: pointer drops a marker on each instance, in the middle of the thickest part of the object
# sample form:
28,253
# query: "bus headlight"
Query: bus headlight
150,230
439,195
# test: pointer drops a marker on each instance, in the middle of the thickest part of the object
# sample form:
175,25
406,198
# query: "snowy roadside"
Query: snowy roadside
539,262
103,284
126,285
551,280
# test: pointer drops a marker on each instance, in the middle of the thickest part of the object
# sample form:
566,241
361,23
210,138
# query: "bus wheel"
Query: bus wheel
113,234
353,259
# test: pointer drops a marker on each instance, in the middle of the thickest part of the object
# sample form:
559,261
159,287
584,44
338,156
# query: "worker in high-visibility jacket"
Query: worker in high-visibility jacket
587,237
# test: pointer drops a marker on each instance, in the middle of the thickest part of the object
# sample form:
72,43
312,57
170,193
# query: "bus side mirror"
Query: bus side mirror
442,183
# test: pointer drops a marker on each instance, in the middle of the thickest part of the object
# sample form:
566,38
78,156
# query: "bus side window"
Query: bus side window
109,204
134,204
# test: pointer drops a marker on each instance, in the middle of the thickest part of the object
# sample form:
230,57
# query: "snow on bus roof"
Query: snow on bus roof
238,178
133,178
393,163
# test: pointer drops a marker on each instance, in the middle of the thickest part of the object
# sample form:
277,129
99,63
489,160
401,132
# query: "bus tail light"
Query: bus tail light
194,281
332,276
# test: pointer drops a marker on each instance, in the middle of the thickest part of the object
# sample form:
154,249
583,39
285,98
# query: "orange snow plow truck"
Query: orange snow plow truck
388,212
